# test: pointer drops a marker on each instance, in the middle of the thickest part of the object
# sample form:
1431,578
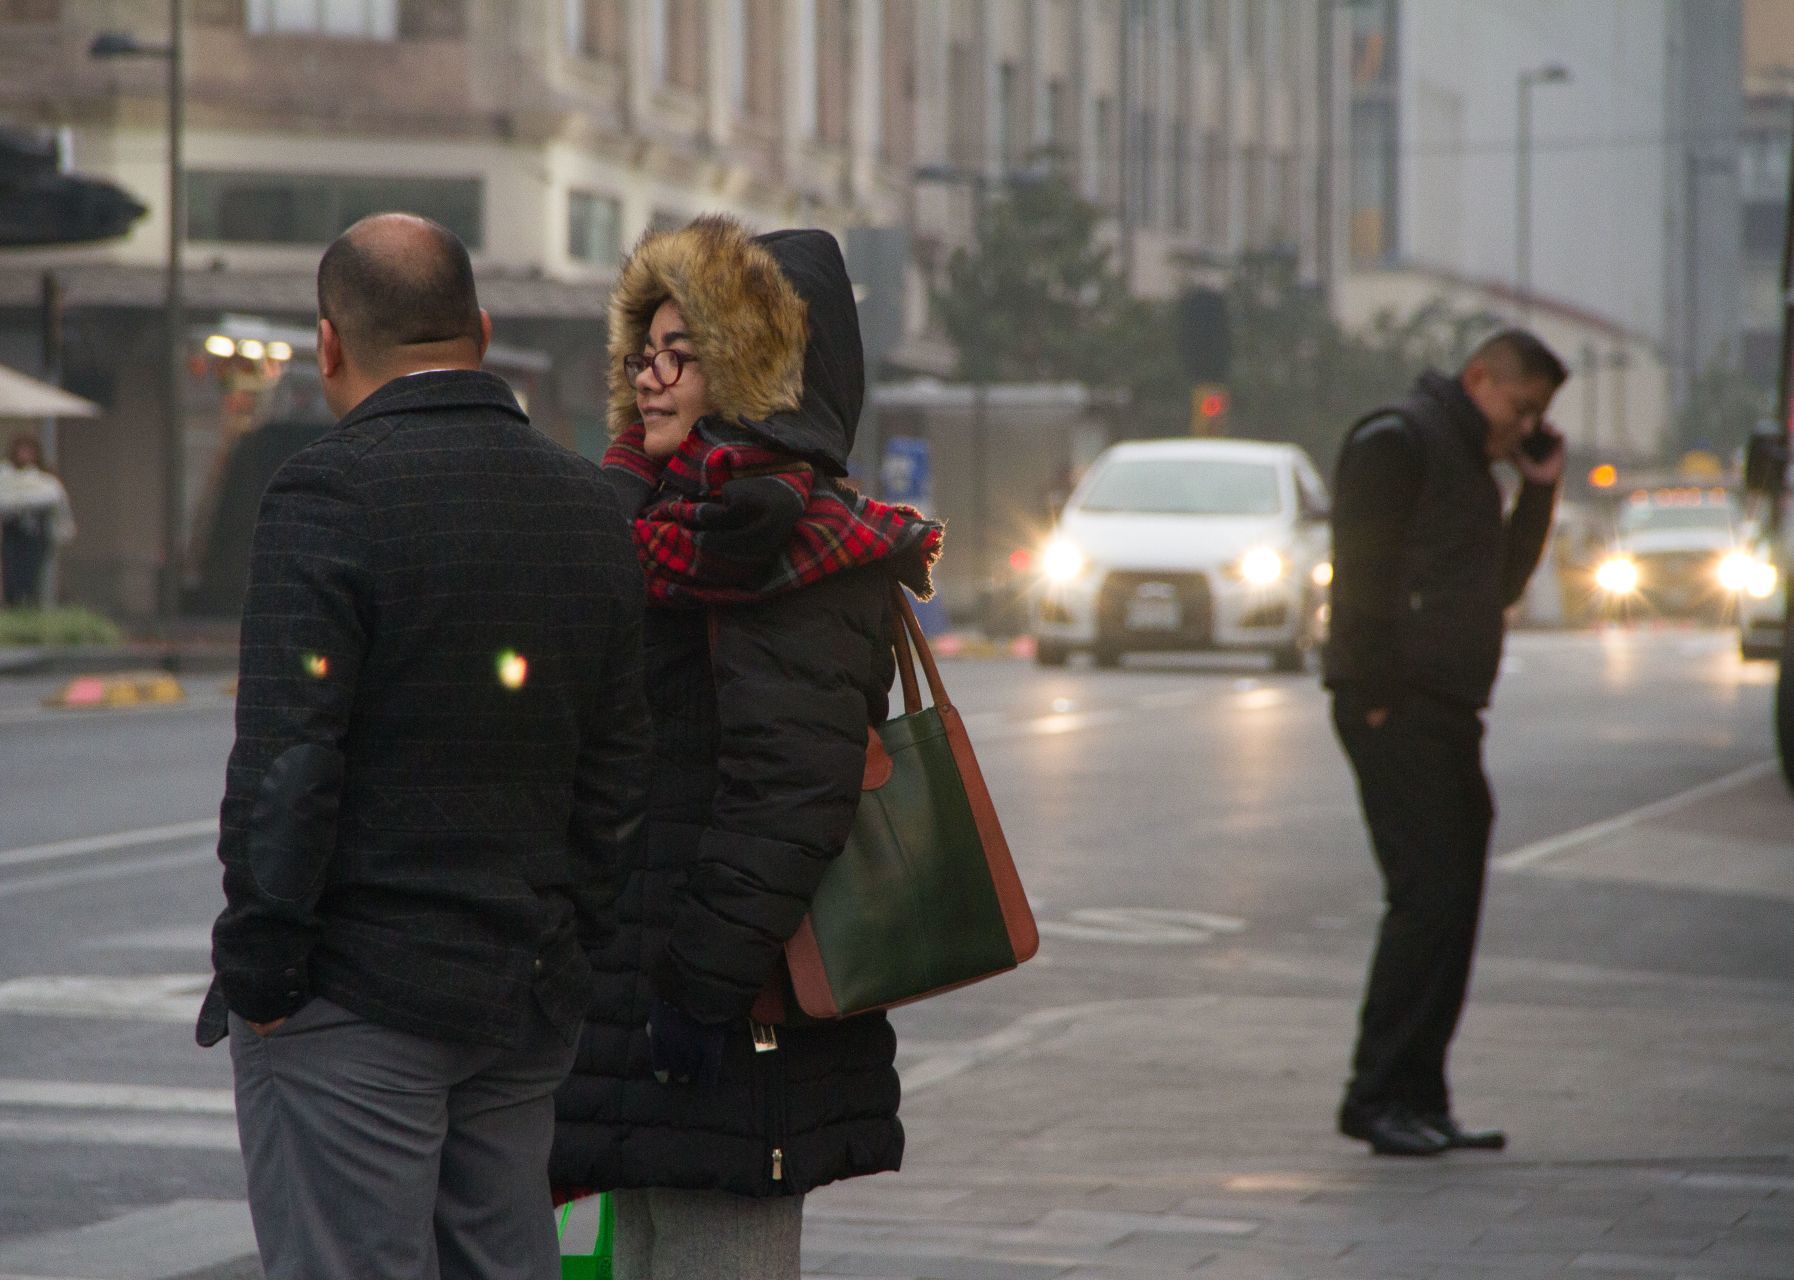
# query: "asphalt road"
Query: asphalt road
1182,825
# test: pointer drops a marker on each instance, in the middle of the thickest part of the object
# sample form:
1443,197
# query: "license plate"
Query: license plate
1154,608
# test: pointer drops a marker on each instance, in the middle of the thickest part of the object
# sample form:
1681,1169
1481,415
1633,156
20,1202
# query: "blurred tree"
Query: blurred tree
1299,376
1039,297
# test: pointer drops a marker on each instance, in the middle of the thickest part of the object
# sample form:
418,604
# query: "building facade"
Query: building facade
1577,156
550,133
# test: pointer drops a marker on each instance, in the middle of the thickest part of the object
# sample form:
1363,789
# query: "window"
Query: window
30,10
1012,117
595,29
432,19
1143,204
687,45
1062,122
1180,176
1763,230
594,228
898,118
312,209
965,123
762,39
1214,192
1108,154
350,19
1174,486
834,69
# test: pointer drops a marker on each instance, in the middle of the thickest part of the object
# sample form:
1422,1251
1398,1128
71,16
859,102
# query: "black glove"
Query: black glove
682,1049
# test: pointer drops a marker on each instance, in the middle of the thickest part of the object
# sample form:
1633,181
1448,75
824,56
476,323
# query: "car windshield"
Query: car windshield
1652,517
1185,487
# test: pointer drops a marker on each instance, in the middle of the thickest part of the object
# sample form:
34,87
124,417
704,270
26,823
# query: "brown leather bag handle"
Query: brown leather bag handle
909,637
902,619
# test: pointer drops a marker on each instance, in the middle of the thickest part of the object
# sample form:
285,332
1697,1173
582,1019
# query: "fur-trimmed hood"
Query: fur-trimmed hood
773,320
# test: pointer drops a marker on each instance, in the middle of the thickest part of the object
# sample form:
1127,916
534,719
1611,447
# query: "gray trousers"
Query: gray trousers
707,1235
382,1155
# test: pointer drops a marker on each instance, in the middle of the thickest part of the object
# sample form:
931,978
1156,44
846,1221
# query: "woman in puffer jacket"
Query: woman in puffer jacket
737,380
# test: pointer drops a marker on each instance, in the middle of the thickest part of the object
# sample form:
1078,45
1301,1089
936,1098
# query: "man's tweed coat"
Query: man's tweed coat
441,726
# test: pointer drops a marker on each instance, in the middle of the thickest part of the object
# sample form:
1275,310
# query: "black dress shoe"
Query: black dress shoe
1467,1139
1392,1131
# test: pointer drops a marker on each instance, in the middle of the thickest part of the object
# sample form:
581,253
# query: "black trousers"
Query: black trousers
1428,806
24,546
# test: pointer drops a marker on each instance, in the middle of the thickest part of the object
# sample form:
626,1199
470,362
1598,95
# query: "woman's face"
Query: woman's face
25,453
670,412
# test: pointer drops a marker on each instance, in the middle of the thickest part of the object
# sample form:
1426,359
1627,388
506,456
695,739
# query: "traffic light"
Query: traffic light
1202,338
39,205
1208,409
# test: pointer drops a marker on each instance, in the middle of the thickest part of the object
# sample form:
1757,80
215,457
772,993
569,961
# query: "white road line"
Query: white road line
189,1135
161,997
111,871
71,1095
1542,851
104,844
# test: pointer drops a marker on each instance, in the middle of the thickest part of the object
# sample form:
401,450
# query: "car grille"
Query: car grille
1678,569
1190,591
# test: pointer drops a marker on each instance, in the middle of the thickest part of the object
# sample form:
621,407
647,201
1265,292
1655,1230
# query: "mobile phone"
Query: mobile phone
1538,445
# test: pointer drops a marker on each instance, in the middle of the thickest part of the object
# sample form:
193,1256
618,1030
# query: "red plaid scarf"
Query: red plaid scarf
730,520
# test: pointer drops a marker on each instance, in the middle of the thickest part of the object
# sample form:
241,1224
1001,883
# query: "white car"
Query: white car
1683,552
1187,545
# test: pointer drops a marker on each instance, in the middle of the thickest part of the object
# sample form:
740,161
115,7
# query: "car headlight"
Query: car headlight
1261,567
1617,575
1743,573
1323,574
1061,561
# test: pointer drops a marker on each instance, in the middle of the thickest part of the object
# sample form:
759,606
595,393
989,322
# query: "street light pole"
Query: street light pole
173,322
174,434
1553,73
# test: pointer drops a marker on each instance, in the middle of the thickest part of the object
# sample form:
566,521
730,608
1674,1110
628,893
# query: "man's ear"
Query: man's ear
330,349
485,331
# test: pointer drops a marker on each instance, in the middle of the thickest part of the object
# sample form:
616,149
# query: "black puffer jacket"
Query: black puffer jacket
759,748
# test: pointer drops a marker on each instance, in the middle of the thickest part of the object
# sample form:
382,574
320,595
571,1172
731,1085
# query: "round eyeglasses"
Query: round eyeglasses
668,365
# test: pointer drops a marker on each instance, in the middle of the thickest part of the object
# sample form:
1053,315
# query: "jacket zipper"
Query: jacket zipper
766,1041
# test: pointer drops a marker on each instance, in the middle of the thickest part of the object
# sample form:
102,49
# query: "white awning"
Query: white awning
26,397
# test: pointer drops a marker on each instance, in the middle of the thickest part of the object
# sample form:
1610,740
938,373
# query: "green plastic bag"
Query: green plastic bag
595,1265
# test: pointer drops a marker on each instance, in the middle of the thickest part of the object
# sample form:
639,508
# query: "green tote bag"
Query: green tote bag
925,897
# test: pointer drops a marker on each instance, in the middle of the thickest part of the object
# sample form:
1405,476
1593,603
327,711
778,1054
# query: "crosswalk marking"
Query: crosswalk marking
104,844
108,1131
153,998
106,871
78,1095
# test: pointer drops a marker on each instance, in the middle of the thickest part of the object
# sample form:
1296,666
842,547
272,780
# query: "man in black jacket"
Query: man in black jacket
441,736
1425,564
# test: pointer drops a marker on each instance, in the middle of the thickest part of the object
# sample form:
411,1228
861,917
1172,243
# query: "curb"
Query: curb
137,688
118,659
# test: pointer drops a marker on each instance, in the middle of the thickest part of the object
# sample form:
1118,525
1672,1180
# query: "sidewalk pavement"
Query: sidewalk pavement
1651,1115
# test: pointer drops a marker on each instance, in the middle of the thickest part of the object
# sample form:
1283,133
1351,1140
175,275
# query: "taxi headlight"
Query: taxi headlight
1261,567
1741,572
1617,575
1061,562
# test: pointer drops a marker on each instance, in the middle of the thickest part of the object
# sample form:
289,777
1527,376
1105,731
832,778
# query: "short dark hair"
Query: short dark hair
1522,354
384,288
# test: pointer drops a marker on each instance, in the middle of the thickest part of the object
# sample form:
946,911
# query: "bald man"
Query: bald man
440,748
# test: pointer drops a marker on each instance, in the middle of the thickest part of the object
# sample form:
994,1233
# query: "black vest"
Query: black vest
1449,639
